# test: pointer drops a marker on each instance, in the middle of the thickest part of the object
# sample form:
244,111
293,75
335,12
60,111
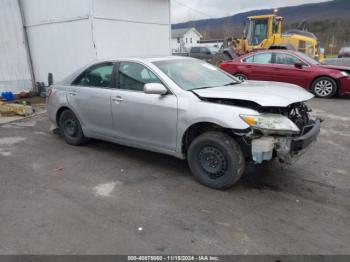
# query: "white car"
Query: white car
186,108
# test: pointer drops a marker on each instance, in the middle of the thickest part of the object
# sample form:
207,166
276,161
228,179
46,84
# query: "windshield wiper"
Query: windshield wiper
203,87
232,83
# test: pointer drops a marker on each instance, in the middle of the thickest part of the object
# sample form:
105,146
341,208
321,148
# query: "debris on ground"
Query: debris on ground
12,109
58,169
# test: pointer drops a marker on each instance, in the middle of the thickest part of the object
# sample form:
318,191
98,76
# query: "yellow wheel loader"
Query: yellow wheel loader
265,32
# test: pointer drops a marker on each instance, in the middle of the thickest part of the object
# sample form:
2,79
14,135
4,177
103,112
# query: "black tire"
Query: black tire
216,160
324,87
71,129
241,77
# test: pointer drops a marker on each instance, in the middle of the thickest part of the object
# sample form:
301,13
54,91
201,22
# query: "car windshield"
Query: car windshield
195,74
308,59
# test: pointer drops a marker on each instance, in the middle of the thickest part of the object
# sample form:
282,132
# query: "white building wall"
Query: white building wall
64,35
191,35
131,28
178,47
15,73
39,12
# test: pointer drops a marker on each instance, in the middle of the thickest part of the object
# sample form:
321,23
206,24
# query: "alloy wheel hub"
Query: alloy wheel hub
324,88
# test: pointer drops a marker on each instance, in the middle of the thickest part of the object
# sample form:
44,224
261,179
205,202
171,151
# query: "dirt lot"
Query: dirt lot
106,199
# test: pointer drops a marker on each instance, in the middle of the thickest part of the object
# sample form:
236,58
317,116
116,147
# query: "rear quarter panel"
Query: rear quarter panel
236,66
57,100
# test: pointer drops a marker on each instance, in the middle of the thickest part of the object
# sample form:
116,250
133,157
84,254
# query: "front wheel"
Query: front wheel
324,87
216,160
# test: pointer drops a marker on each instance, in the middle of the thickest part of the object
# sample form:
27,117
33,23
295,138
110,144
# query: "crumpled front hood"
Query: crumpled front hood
274,94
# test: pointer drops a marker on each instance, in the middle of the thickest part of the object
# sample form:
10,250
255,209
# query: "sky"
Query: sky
186,10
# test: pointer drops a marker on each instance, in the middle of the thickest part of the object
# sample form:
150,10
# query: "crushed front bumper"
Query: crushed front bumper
289,149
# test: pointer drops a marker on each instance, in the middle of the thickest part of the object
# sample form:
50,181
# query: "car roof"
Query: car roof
149,59
146,60
292,52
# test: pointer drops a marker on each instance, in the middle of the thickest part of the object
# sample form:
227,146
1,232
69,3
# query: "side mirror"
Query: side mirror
299,64
155,89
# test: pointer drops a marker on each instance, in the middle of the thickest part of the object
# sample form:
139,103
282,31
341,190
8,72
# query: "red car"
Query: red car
291,67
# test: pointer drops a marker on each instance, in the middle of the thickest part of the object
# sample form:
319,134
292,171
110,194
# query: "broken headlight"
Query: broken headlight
271,124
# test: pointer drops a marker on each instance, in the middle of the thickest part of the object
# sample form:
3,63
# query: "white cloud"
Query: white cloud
202,9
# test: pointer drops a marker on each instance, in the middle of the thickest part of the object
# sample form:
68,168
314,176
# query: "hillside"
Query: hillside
330,21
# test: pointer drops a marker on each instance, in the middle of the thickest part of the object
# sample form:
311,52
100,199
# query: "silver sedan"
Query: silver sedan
186,108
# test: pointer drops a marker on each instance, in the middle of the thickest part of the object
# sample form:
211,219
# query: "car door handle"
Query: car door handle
118,99
72,93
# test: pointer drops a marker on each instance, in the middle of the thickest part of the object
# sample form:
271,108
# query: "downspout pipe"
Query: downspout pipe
27,46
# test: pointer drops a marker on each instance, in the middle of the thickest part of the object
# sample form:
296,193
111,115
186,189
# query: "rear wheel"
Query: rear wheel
241,77
71,129
216,160
324,87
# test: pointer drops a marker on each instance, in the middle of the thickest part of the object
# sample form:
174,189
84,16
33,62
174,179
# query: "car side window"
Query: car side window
264,58
285,59
96,76
133,76
249,59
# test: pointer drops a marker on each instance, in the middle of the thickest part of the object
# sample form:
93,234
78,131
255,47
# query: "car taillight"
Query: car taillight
49,92
224,66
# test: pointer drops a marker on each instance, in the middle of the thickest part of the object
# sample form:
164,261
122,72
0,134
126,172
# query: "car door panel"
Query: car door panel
264,72
90,95
144,118
260,67
291,74
93,108
287,72
139,118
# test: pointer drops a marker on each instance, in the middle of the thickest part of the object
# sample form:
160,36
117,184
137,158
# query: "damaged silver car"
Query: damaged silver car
188,109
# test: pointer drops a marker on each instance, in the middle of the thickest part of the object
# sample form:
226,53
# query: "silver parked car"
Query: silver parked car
186,108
